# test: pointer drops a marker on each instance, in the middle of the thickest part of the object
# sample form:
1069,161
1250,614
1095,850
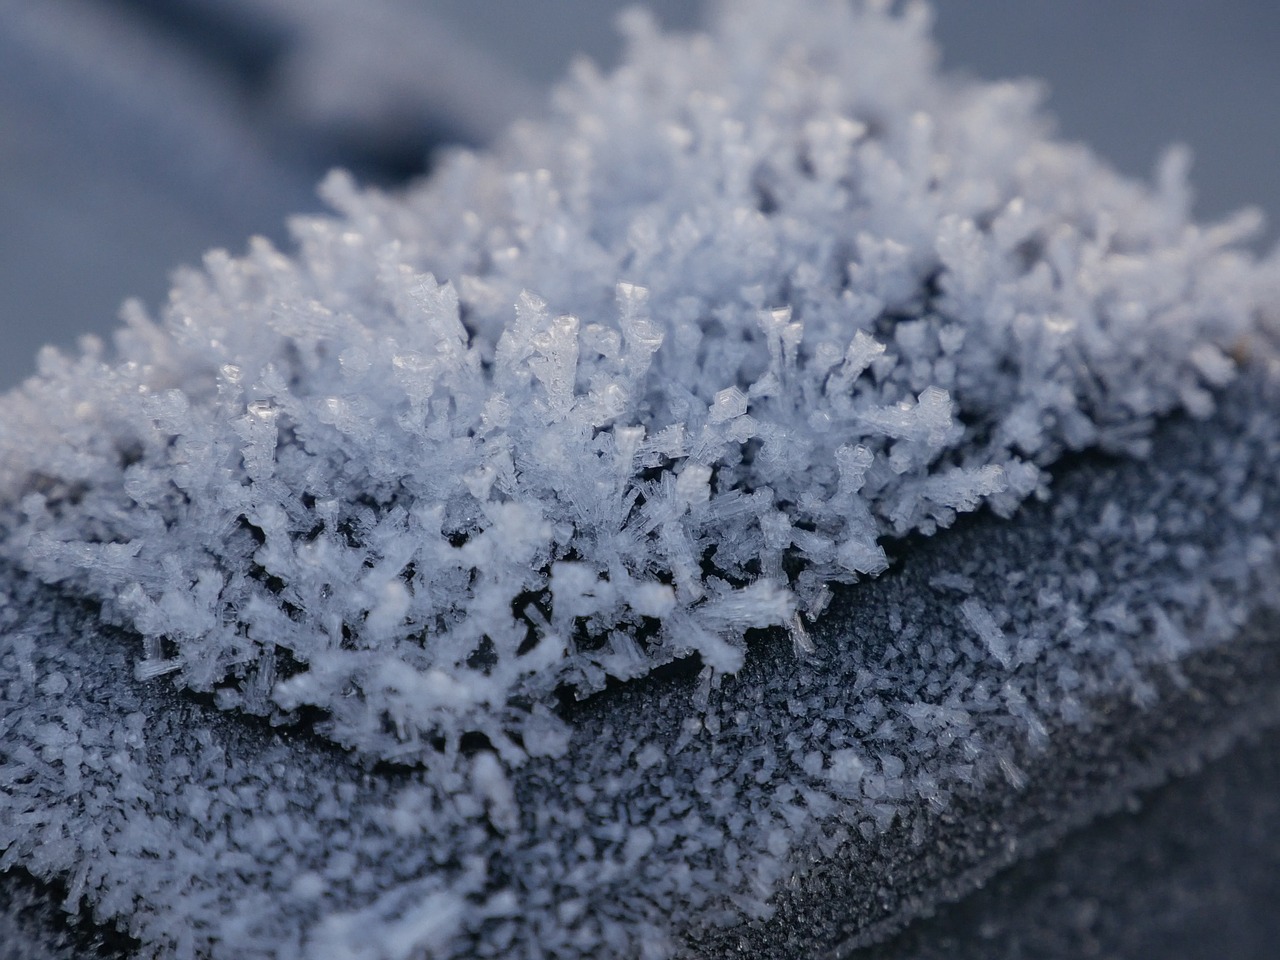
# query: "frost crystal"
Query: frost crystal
650,374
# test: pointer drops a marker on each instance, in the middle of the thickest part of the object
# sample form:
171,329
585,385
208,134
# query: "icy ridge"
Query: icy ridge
651,374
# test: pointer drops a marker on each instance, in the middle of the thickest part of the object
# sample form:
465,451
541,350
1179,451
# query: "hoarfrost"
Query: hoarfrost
650,374
984,625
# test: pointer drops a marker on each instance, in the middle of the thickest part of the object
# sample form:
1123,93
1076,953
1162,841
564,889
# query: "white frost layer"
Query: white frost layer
669,818
650,374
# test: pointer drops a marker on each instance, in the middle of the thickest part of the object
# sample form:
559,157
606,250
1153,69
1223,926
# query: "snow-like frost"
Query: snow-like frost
648,375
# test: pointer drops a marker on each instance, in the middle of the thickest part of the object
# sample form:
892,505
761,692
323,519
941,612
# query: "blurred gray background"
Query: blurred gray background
136,134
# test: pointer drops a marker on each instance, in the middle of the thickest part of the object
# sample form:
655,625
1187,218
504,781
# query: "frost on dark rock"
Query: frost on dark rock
652,373
805,803
674,366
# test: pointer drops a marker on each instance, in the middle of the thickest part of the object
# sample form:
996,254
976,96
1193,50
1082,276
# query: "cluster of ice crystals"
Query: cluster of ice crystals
1005,656
651,373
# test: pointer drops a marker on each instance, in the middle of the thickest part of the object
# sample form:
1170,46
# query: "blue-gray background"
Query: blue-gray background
135,134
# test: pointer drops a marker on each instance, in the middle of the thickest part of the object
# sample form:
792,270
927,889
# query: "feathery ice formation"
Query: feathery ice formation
652,373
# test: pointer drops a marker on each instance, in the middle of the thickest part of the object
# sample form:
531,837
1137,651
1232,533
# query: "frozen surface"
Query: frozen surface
809,799
651,374
1191,872
676,370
